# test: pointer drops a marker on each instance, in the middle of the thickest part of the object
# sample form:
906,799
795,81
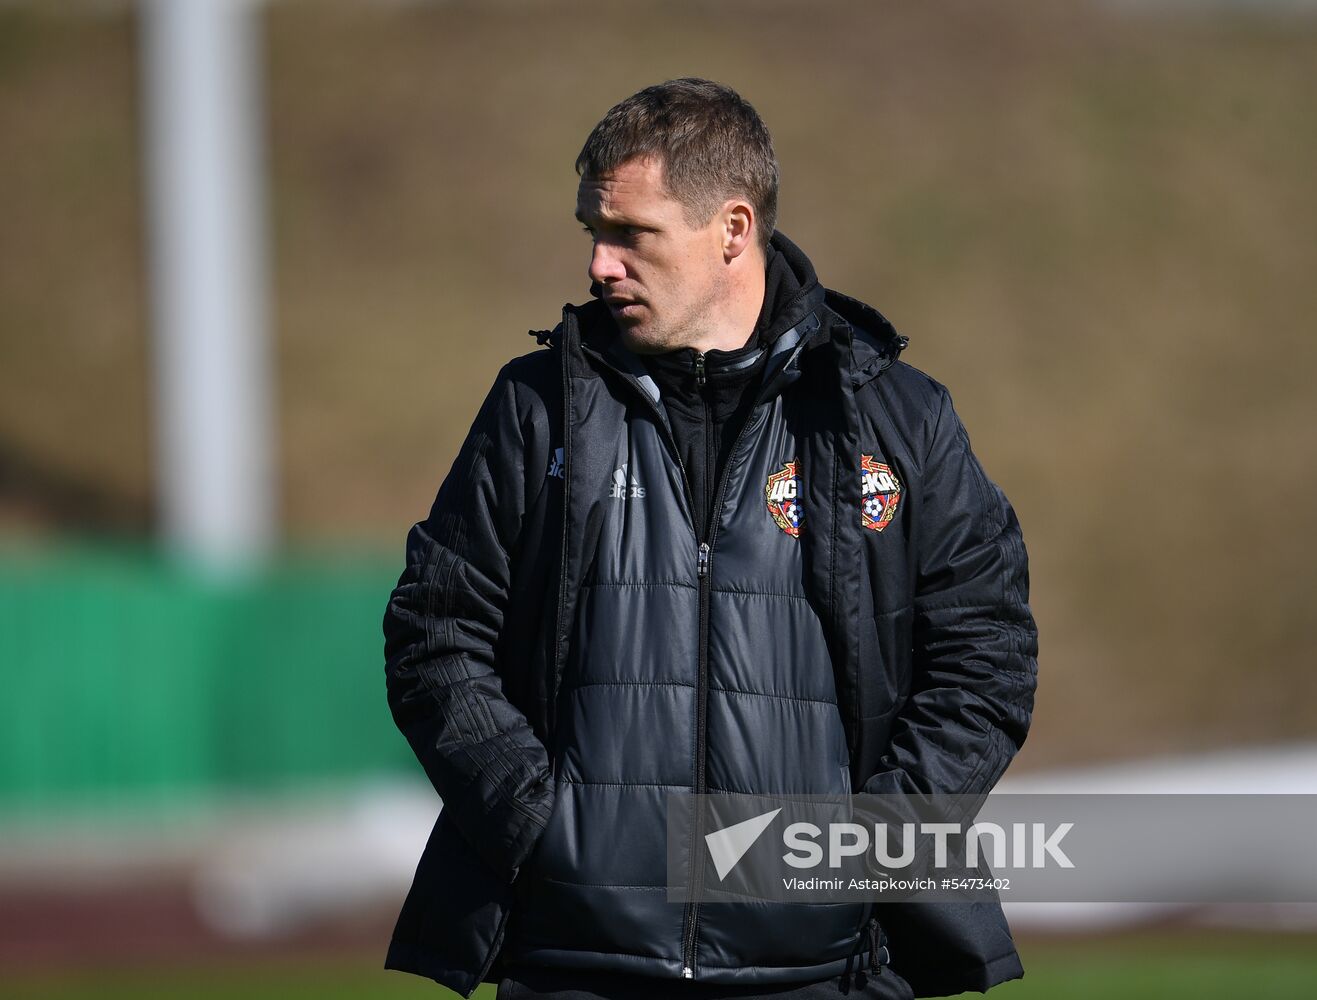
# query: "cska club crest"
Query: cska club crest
782,491
879,493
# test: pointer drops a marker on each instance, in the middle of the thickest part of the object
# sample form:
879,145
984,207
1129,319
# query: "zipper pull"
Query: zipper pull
687,972
874,964
699,369
702,565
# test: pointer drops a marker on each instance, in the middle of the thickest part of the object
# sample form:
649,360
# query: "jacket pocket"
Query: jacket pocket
452,923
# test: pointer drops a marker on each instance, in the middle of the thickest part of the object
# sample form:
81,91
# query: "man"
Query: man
716,538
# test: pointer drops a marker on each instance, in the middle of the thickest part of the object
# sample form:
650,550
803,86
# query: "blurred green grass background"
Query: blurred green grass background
1153,967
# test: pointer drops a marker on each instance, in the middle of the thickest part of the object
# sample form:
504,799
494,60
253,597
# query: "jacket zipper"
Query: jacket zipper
703,555
704,559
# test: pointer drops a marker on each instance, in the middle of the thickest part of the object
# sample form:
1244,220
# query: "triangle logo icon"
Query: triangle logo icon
728,845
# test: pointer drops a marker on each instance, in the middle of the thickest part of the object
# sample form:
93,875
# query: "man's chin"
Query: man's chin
638,338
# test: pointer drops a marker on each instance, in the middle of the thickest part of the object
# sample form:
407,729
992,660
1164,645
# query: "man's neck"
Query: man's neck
742,303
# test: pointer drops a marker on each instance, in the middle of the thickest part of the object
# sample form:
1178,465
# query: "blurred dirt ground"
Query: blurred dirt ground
1096,226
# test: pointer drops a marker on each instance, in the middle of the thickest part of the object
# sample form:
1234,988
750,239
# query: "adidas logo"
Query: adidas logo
625,487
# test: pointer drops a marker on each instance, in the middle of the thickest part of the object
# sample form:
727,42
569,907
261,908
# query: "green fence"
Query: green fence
123,674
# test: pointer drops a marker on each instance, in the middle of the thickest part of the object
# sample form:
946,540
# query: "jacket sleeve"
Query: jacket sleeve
441,627
974,666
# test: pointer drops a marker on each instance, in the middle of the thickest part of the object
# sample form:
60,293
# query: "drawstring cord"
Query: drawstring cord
875,964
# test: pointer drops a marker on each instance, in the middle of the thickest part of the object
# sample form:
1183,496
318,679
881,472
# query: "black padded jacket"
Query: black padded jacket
563,518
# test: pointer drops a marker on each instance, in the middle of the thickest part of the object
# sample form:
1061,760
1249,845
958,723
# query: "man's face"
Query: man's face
661,278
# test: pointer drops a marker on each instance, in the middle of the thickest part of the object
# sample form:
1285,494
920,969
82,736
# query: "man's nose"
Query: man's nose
605,265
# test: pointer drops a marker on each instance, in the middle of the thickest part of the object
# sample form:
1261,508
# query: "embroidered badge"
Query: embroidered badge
879,493
782,491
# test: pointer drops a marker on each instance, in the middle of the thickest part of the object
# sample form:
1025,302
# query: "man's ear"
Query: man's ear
738,228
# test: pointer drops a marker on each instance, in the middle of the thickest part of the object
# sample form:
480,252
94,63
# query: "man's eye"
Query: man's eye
628,232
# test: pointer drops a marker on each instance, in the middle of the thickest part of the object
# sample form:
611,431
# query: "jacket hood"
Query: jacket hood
791,290
875,344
